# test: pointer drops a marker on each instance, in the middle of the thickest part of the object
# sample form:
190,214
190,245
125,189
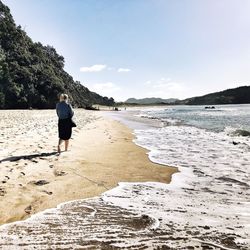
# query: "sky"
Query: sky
145,48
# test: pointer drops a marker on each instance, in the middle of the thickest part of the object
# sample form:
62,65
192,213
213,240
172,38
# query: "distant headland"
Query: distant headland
239,95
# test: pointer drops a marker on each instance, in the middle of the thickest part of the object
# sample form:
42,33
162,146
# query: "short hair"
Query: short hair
65,97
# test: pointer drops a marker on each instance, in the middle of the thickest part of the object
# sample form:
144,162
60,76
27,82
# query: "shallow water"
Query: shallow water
219,119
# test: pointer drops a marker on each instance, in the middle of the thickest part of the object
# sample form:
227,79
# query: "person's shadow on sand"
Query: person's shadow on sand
27,157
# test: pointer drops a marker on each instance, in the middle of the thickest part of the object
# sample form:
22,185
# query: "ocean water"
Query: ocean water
223,117
211,148
206,205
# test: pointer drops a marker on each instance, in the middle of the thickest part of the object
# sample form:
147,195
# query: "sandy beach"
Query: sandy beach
33,178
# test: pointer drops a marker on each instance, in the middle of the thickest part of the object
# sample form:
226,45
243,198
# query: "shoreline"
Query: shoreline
189,213
102,154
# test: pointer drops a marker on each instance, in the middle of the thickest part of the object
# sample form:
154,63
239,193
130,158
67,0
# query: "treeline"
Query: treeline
33,75
240,95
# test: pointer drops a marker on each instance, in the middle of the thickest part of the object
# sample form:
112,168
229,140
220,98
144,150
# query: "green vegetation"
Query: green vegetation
150,101
32,75
238,95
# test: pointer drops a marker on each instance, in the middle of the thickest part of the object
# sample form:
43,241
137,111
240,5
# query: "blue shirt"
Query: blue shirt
64,110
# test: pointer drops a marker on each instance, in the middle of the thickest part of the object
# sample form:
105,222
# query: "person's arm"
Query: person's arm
71,111
57,112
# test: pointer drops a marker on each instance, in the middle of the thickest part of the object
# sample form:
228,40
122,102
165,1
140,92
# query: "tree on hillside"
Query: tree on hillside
31,74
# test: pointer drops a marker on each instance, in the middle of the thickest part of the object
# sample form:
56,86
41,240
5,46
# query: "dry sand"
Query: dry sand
33,177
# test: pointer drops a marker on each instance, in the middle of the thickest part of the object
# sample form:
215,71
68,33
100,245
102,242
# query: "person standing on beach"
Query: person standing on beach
65,113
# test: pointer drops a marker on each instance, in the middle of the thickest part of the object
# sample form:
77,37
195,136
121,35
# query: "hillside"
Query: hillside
238,95
148,101
32,75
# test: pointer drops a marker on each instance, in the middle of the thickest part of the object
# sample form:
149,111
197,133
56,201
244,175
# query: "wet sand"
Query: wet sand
33,178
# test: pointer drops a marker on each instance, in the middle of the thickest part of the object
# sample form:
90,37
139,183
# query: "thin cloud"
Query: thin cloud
123,70
165,88
147,83
105,88
94,68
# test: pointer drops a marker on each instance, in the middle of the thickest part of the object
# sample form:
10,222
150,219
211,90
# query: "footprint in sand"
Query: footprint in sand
59,173
40,182
47,192
6,179
28,209
2,191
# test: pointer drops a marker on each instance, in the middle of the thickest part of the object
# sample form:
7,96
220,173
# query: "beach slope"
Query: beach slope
33,178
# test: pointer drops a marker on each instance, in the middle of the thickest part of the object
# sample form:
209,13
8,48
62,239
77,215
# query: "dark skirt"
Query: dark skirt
64,129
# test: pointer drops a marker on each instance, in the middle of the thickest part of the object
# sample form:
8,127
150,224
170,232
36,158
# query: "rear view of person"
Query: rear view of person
65,113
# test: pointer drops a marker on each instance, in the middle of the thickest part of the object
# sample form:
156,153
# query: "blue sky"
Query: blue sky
145,48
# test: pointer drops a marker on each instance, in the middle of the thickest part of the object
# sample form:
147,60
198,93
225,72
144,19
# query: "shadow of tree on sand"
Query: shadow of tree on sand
27,157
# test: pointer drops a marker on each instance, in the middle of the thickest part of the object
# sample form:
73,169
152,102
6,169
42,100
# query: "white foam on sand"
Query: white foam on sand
210,192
